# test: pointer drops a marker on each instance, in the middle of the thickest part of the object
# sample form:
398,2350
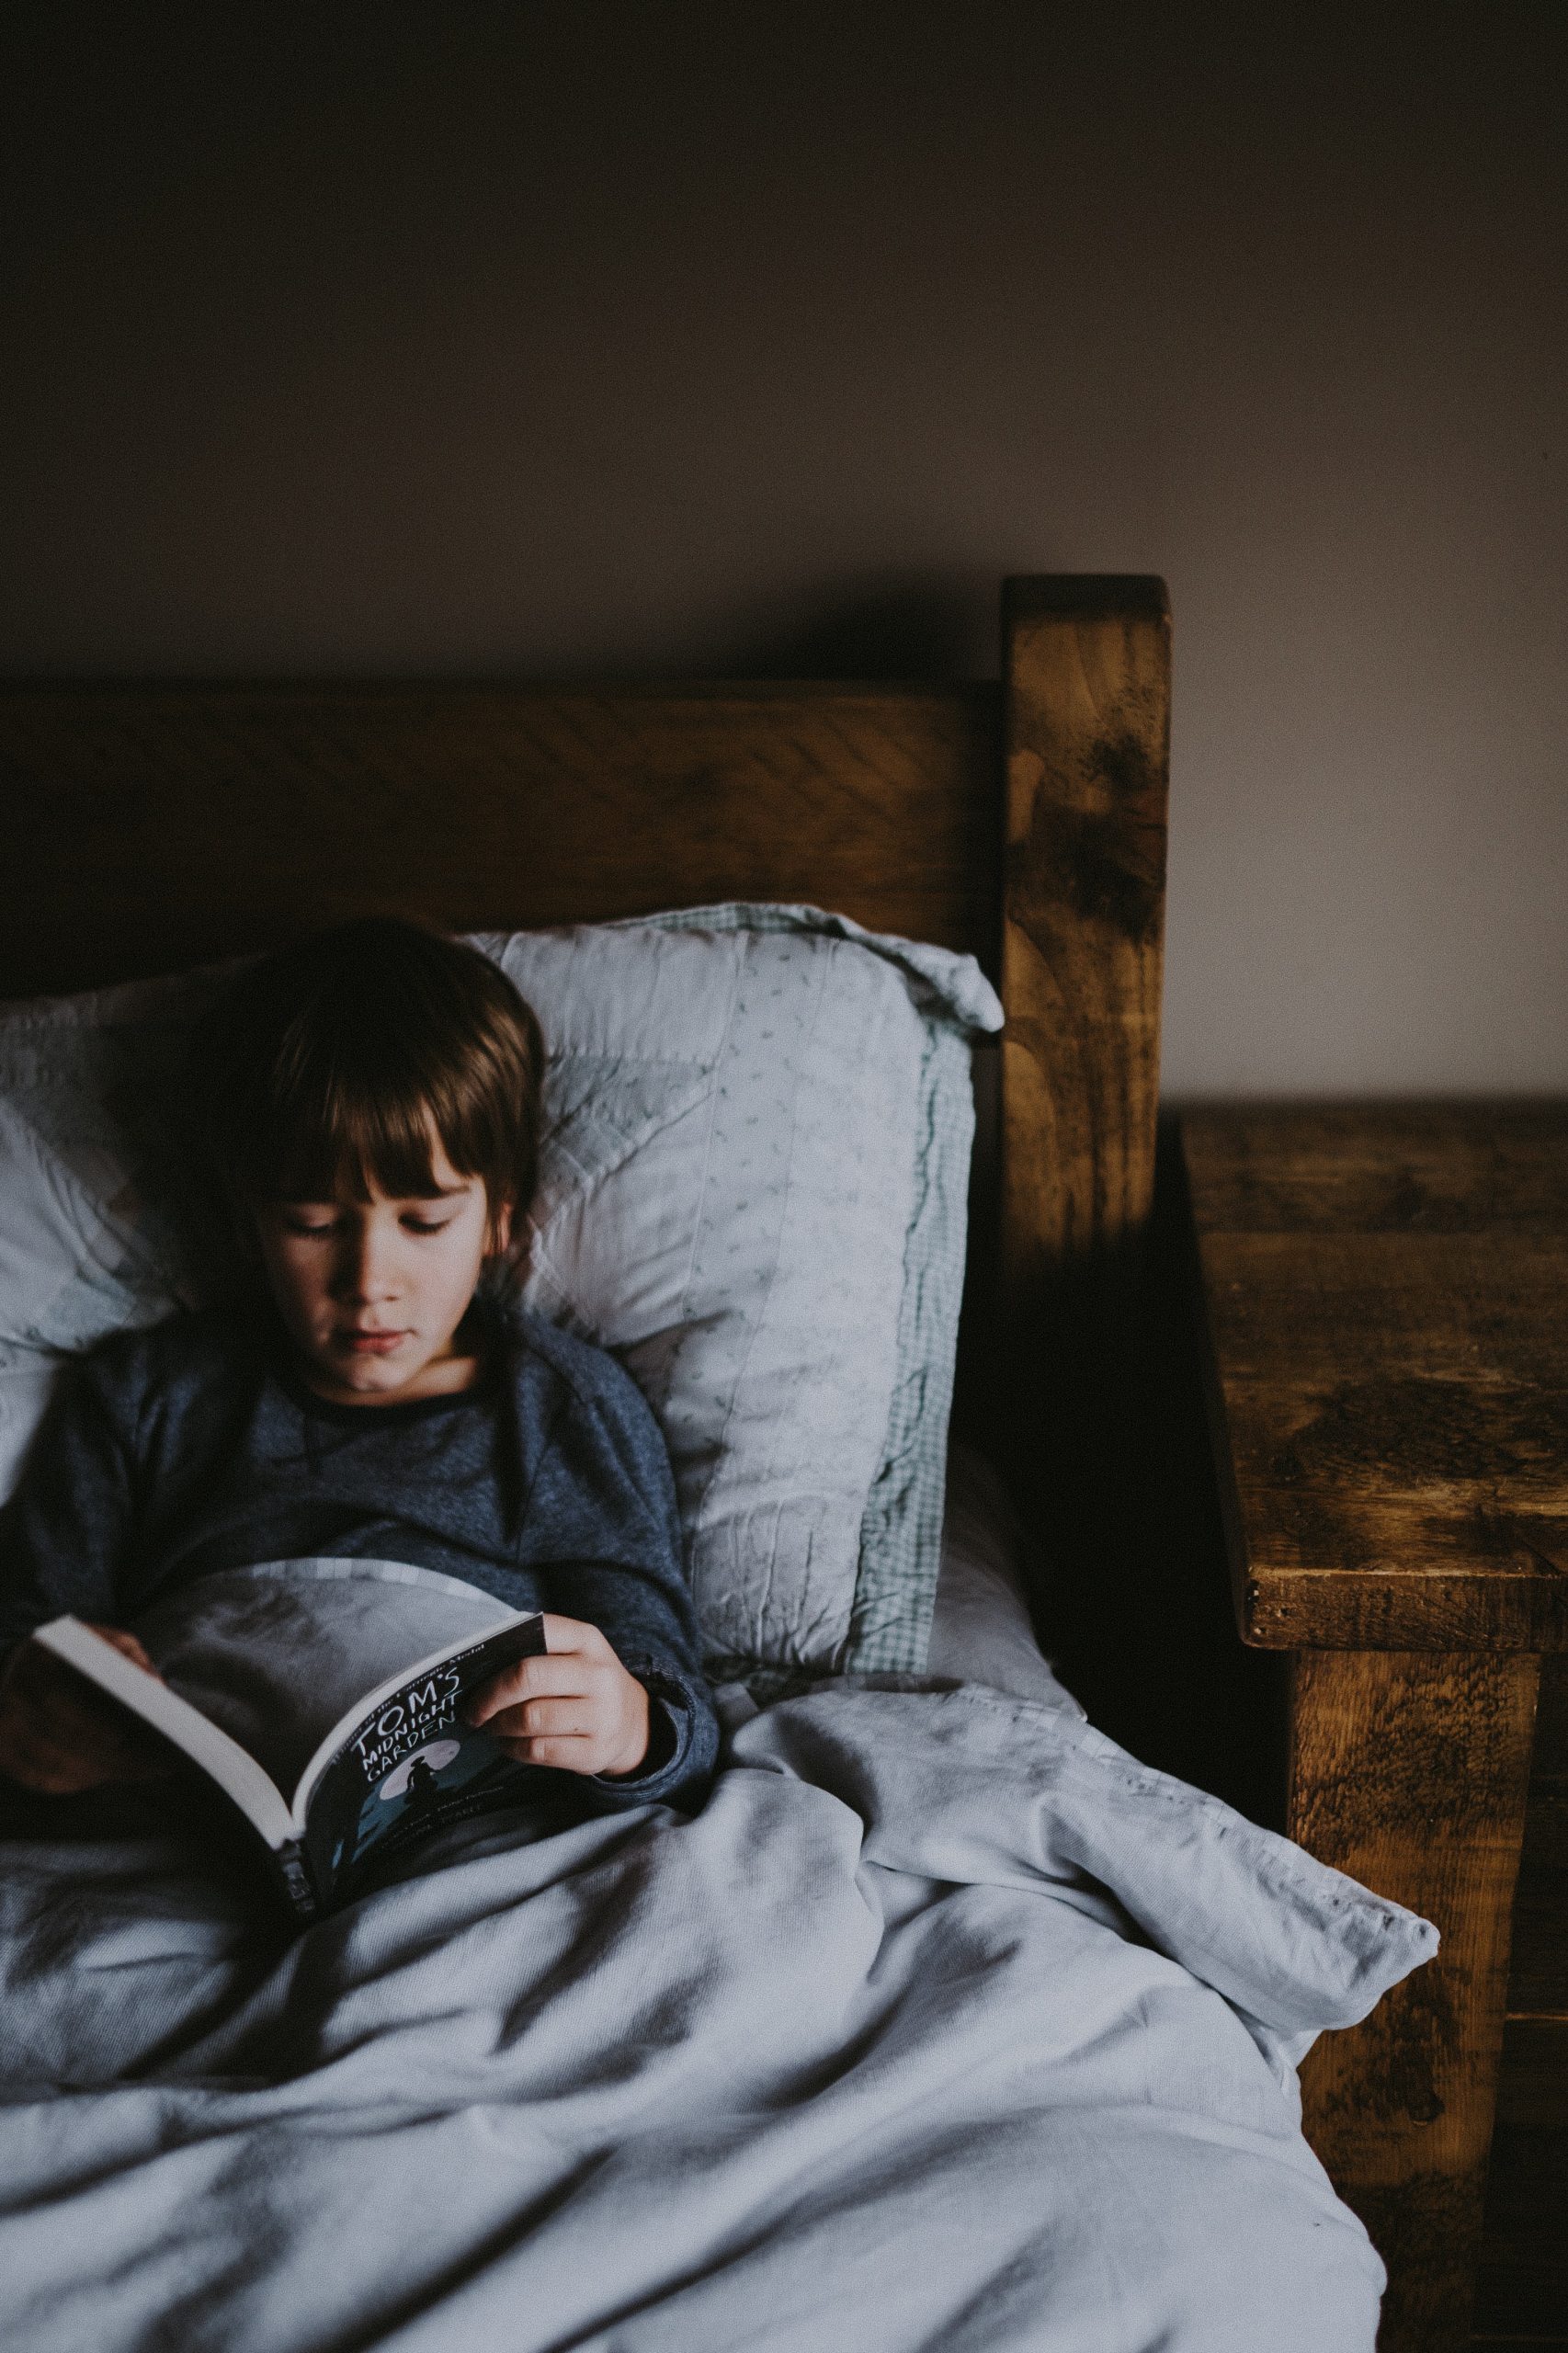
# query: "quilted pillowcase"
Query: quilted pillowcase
752,1189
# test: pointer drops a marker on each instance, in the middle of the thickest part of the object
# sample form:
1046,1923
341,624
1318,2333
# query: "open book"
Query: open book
397,1764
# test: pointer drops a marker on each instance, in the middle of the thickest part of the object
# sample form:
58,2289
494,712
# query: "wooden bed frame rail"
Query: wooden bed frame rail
155,826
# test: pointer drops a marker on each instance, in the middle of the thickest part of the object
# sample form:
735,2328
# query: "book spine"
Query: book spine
295,1879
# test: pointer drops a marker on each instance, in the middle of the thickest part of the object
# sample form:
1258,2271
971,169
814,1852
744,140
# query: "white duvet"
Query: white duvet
944,2024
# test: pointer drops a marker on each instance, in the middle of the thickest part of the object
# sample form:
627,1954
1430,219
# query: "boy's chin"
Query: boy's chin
351,1374
380,1374
413,1369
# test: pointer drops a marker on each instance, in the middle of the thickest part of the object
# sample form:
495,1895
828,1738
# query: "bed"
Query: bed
946,2023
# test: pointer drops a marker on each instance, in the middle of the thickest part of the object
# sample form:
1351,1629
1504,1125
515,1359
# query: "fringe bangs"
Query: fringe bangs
338,1066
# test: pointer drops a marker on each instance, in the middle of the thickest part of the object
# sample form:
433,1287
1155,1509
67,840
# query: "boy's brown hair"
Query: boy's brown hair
336,1063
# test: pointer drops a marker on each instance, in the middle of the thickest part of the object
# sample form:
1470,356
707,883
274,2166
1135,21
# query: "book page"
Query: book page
282,1655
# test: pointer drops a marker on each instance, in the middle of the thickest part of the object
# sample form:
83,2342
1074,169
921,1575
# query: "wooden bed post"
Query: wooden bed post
1086,740
1087,743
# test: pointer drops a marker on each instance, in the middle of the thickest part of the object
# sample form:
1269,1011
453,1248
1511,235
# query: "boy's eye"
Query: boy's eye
323,1221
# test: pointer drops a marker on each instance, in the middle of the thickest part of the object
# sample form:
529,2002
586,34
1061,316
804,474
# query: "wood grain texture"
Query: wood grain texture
153,826
1086,739
1410,1167
1410,1770
1386,1296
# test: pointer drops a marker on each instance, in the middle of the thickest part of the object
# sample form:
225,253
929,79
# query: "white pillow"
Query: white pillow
751,1182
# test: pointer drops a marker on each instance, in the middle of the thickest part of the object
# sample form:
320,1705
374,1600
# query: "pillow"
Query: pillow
757,1123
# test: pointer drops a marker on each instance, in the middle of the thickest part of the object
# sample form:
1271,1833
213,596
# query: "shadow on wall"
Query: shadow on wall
922,629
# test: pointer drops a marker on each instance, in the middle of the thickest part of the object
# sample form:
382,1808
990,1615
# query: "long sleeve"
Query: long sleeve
605,1504
65,1533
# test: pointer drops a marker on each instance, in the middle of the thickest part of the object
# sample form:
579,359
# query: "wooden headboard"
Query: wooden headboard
150,826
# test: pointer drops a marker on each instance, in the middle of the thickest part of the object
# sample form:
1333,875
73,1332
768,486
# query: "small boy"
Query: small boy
373,1113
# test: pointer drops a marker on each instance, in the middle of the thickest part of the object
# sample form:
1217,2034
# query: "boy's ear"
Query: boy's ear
499,1240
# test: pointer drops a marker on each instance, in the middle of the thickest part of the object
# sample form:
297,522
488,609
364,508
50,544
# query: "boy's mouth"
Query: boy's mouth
371,1344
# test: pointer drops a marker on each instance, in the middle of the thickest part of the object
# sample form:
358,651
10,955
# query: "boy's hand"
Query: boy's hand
576,1708
59,1735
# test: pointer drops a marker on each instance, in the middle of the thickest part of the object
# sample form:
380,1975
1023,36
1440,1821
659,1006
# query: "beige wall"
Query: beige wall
725,337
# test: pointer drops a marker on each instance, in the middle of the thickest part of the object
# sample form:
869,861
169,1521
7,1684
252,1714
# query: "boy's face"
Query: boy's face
372,1293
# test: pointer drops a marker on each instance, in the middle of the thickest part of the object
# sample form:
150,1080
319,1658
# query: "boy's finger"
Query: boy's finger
562,1634
129,1647
539,1716
529,1678
566,1752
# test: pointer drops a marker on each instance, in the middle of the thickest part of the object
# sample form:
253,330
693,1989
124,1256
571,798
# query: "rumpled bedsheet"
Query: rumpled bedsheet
944,2024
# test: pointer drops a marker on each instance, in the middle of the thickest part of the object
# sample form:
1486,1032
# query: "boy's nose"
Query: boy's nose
366,1271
